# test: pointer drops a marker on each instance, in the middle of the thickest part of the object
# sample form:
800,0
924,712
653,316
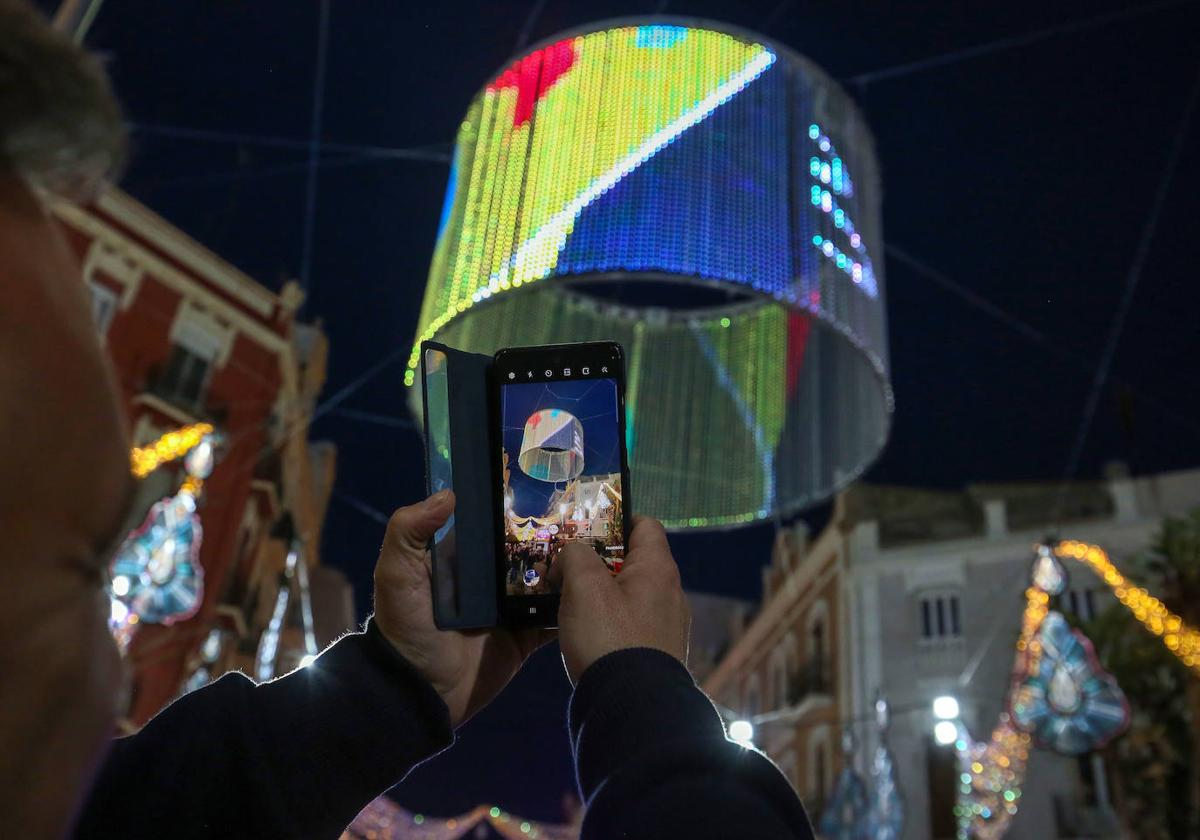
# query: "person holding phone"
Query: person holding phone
299,756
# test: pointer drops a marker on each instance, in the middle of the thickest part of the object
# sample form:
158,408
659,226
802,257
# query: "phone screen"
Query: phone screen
562,467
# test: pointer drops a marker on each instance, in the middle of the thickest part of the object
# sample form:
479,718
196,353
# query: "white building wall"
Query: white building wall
989,573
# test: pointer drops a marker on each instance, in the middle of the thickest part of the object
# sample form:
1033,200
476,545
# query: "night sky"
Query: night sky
593,402
1017,185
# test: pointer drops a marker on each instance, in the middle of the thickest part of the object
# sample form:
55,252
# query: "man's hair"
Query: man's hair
60,126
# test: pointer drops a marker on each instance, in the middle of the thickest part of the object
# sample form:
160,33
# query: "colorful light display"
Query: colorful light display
845,815
1058,694
644,153
156,575
170,447
1068,702
885,808
1180,639
383,819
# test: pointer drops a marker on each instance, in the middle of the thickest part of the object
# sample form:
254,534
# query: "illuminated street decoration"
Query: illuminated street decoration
156,575
552,446
991,773
1180,639
170,447
845,815
885,811
156,572
1058,694
645,153
1068,702
383,819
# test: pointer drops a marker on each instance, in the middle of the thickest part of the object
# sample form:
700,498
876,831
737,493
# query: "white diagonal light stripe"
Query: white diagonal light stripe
554,231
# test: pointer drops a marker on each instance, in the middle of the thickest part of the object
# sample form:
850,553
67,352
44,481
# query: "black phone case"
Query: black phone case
469,569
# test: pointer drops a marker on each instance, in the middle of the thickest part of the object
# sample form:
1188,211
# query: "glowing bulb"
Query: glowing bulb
120,585
742,731
945,733
945,707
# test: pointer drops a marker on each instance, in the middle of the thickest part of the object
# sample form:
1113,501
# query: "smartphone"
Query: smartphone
562,469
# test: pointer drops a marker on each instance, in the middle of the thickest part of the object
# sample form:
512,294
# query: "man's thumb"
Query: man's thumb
412,527
575,565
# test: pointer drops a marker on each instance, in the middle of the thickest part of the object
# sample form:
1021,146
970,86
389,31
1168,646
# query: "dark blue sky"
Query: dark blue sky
593,402
1024,175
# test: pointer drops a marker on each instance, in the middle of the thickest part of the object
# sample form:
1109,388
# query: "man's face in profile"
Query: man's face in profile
64,489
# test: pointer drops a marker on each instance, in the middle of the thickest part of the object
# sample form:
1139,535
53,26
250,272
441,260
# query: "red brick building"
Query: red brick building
194,339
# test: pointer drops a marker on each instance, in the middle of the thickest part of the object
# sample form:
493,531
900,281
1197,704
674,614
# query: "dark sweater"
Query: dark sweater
299,757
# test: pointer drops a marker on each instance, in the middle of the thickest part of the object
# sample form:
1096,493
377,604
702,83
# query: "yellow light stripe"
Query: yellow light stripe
170,447
1180,639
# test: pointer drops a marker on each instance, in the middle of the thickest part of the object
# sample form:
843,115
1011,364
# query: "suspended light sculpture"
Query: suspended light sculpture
1068,702
692,153
552,446
1058,694
885,811
156,576
845,815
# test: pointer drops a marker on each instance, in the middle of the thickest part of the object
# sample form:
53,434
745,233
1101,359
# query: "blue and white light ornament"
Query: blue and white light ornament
156,576
1069,703
885,814
845,816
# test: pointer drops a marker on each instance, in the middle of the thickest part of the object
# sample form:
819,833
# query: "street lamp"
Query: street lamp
945,707
945,733
742,731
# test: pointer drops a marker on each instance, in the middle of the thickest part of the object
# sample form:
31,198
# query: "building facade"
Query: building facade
924,593
192,339
785,670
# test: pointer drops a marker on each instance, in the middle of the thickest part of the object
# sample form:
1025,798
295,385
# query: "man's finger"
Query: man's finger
411,528
575,565
648,540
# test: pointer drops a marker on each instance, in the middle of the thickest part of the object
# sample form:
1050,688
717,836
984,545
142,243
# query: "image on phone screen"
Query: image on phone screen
561,463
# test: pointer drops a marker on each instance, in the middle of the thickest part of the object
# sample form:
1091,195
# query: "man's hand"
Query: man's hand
467,669
643,606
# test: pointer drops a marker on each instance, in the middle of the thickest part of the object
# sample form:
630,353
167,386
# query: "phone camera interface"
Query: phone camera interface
562,478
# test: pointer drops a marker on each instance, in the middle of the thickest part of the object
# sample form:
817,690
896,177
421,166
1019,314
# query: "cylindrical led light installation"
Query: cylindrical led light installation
552,446
694,153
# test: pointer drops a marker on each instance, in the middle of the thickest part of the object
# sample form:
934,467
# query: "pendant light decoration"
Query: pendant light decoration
885,814
156,576
1069,703
731,188
845,815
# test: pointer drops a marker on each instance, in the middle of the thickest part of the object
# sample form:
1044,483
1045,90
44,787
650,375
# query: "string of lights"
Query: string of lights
383,819
1180,639
170,447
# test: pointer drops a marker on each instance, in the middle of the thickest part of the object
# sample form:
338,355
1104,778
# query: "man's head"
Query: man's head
60,128
64,458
